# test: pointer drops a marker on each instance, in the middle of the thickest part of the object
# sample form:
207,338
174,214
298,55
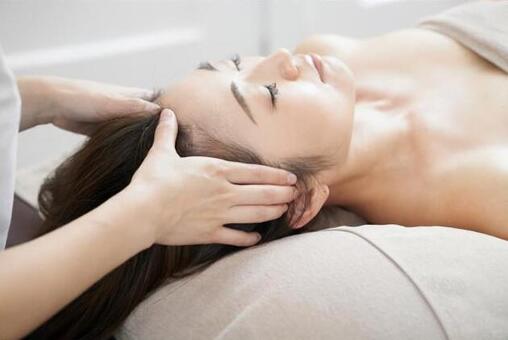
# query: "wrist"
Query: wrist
121,215
129,207
37,101
156,220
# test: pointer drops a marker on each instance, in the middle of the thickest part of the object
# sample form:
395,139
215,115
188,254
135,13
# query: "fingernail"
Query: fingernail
292,179
166,115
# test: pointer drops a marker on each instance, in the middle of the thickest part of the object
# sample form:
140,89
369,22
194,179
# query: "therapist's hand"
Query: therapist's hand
188,200
77,105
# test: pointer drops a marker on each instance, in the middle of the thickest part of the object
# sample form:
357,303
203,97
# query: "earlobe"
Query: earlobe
318,198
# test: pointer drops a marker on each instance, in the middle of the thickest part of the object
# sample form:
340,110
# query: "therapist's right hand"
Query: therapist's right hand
188,200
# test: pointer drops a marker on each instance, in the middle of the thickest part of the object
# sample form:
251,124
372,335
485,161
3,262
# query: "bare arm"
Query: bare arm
43,275
170,201
46,99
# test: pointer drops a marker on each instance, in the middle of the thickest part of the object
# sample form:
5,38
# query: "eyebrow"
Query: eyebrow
205,65
234,90
241,101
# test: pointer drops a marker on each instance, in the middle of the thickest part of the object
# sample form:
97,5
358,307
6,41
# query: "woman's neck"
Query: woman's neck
381,150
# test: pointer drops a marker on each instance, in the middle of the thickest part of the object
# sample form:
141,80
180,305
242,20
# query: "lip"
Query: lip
318,64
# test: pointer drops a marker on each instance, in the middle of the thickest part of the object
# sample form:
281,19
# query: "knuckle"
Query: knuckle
267,194
258,172
226,191
278,211
266,213
212,238
215,169
254,169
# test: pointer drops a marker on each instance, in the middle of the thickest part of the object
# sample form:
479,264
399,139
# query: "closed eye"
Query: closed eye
274,92
236,60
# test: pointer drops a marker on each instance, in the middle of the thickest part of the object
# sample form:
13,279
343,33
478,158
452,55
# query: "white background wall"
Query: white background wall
151,43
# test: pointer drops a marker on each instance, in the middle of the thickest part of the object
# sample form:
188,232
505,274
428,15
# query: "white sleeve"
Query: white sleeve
10,111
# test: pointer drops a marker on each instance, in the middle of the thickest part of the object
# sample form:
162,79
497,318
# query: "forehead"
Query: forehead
204,98
200,98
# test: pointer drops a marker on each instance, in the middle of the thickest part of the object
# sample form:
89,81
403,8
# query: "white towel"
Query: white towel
481,26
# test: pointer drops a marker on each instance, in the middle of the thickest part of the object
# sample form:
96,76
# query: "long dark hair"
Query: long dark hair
104,166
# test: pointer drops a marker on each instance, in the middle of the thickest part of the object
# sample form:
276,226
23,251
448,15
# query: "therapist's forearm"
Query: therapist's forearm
36,100
40,277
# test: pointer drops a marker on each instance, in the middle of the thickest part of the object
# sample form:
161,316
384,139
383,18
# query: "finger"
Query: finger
121,106
127,91
263,194
255,213
236,237
148,95
166,131
242,173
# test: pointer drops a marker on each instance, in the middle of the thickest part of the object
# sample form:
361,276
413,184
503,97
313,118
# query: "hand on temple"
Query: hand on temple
77,105
188,200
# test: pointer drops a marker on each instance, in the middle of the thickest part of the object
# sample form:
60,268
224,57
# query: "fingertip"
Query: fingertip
292,179
258,237
166,131
252,240
166,115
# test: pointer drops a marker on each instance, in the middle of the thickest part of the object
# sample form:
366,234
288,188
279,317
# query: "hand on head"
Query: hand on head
189,200
78,105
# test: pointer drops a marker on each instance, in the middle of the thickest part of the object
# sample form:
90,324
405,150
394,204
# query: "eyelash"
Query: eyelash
236,60
274,92
272,88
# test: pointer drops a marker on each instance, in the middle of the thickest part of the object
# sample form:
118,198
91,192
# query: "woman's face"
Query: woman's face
309,114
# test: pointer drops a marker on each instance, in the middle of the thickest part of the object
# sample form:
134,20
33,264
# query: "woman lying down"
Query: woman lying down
407,128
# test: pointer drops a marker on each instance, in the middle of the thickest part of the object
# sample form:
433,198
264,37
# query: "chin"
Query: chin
339,75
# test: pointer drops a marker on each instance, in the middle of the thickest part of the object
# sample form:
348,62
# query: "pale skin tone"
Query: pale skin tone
430,135
170,201
411,146
411,120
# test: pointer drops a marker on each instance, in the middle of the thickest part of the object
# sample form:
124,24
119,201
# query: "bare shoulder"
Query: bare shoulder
328,44
474,188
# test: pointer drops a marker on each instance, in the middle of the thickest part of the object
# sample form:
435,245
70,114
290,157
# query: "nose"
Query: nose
286,63
283,63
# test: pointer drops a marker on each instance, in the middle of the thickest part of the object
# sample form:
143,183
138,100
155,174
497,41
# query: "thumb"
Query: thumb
166,131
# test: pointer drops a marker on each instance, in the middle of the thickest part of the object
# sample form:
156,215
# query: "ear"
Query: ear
319,195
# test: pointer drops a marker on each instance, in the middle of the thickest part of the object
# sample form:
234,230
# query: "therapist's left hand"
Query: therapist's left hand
77,105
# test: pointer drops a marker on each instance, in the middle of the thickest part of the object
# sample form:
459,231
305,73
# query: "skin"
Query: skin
187,204
402,115
306,108
430,137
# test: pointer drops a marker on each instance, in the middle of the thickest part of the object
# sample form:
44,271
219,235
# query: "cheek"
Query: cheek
325,118
325,108
312,122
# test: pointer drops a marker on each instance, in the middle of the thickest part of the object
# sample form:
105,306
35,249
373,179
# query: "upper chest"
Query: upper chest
453,99
457,106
